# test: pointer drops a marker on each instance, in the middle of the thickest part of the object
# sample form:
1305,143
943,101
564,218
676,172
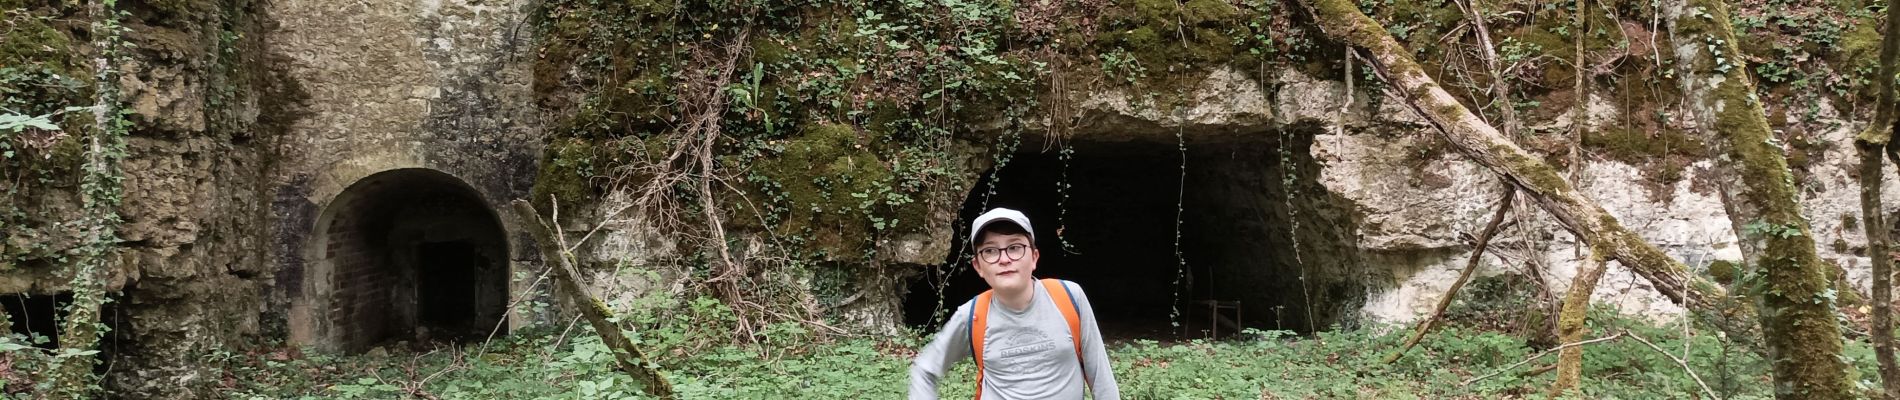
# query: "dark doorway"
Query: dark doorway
447,291
418,256
1158,236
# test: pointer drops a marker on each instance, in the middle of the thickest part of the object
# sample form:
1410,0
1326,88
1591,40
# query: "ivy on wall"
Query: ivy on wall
62,132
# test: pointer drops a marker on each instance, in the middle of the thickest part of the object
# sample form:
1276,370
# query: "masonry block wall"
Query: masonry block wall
362,284
442,87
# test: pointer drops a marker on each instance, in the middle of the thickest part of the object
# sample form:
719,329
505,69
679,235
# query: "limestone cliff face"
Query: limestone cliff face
1406,200
1414,216
1392,204
190,273
267,133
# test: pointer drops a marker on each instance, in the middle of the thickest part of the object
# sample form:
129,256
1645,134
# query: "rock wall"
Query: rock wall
1415,216
252,119
1417,201
249,119
1411,202
190,271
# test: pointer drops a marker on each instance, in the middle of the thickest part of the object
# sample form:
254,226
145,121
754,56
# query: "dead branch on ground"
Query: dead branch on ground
1471,265
1679,362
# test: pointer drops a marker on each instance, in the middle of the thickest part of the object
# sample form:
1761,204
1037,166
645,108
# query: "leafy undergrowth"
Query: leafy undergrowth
1268,365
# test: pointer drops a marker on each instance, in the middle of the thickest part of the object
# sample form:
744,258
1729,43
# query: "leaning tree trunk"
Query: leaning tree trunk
1798,315
1483,143
554,251
1877,139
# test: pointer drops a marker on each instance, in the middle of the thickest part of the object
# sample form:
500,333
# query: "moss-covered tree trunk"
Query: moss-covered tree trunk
1873,143
1798,316
1570,327
1483,143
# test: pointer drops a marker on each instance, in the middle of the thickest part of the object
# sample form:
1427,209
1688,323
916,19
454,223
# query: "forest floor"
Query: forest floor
1457,362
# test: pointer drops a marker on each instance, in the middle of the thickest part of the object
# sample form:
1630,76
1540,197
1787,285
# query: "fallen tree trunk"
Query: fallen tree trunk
554,252
1800,323
1483,144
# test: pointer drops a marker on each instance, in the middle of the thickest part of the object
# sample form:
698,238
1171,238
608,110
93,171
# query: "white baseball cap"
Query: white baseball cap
1000,214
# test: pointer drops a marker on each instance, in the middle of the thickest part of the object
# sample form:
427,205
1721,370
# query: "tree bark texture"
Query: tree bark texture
1483,143
632,361
1873,143
1570,327
1874,220
1797,301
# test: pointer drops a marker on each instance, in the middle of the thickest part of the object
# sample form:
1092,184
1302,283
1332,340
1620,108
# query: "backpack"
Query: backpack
979,324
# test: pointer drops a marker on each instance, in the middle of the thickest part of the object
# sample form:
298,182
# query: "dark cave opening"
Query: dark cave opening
1115,234
417,255
36,317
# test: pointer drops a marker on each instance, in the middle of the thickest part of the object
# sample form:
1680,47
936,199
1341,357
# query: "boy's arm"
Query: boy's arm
1095,364
951,346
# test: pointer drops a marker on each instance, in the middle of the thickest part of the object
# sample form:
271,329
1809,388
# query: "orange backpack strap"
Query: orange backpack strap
979,325
1065,302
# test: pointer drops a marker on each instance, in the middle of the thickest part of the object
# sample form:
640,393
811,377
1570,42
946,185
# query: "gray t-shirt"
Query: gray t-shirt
1026,355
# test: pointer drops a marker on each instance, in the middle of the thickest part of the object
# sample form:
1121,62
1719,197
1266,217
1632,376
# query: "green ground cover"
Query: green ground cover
550,363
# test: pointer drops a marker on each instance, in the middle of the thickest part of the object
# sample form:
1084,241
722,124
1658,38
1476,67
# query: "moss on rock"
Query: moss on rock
572,170
824,181
1666,152
1724,271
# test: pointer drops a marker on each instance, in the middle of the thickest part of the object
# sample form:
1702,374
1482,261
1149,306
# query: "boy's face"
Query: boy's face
1005,274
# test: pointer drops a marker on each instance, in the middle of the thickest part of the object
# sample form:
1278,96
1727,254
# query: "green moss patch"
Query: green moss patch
1663,155
823,182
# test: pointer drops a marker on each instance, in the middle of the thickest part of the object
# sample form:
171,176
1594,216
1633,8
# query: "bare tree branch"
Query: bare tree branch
1471,265
632,361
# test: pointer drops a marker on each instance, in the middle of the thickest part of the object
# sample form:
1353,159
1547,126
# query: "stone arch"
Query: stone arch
402,254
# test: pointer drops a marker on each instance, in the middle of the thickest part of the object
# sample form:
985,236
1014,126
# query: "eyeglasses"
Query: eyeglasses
993,254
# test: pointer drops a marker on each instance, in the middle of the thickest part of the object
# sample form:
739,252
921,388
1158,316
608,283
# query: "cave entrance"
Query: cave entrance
412,255
1115,235
36,317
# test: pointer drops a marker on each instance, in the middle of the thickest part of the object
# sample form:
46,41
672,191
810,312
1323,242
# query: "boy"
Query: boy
1038,339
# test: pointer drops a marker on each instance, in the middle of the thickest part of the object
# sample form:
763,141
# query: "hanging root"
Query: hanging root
710,100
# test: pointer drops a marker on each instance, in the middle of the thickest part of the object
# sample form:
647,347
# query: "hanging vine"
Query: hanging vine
101,190
1181,273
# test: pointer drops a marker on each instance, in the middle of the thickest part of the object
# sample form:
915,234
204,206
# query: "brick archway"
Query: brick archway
403,254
